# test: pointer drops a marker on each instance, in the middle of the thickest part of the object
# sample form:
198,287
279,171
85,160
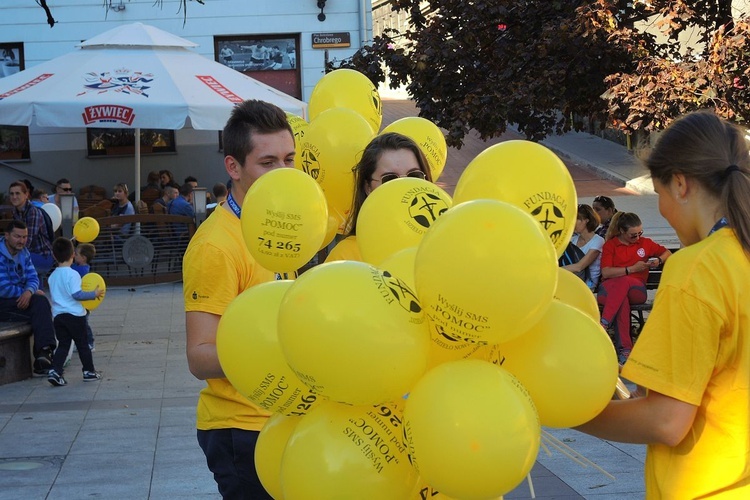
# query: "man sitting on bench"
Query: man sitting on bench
19,300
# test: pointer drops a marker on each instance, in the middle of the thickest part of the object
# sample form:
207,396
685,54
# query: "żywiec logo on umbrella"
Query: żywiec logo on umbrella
123,81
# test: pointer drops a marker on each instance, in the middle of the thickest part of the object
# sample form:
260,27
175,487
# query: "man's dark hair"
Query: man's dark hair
29,185
248,118
62,181
190,178
153,177
62,249
186,189
219,189
37,193
15,224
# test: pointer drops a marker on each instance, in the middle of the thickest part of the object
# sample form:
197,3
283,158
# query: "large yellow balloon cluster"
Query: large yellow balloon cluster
431,366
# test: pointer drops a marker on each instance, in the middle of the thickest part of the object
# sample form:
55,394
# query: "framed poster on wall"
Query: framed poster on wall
271,59
14,140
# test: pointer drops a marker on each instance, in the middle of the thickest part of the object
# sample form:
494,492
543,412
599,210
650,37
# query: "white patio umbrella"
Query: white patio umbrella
133,76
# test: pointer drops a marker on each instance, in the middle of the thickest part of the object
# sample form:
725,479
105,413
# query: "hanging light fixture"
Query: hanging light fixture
321,6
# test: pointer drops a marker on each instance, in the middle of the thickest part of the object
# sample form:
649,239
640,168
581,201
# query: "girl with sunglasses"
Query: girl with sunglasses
693,355
387,157
627,258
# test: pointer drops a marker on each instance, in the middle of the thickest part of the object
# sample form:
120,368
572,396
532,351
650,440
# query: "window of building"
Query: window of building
14,140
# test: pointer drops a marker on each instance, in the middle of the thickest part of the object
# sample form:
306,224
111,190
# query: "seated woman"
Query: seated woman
627,258
122,207
605,209
39,241
387,157
165,178
590,244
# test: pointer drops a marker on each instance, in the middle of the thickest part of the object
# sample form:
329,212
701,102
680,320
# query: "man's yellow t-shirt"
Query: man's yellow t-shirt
217,267
695,347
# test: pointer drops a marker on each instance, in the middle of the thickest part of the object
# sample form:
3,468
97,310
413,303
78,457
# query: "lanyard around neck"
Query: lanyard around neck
721,223
233,205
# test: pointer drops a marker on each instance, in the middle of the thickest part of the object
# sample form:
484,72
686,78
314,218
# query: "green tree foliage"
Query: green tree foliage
545,64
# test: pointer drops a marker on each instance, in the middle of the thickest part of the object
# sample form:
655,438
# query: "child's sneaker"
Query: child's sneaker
91,376
55,378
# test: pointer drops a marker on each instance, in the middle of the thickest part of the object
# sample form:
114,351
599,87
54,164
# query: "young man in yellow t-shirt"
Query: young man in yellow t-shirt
218,267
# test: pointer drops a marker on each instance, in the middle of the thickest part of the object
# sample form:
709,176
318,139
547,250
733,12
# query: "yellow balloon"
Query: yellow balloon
485,272
299,129
86,229
567,363
346,88
397,215
573,291
247,344
340,218
401,264
353,333
331,148
444,348
471,429
284,219
424,491
529,176
89,283
269,450
331,229
347,452
428,137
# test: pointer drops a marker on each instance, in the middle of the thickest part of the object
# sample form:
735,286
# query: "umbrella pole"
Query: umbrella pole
137,186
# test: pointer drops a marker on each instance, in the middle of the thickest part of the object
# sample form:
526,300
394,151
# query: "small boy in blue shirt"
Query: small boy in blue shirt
84,254
69,315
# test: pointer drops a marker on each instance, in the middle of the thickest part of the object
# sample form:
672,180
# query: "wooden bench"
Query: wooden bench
15,348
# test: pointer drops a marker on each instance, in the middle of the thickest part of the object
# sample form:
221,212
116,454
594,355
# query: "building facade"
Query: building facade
283,43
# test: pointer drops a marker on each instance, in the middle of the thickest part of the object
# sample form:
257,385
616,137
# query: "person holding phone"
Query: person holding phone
627,258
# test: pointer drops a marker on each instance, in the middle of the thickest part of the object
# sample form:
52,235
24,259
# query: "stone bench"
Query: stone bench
15,348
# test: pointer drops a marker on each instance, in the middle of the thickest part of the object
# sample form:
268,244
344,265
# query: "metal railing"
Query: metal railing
141,249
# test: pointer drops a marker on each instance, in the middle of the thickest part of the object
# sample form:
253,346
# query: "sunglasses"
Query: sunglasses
67,190
390,176
634,235
605,199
